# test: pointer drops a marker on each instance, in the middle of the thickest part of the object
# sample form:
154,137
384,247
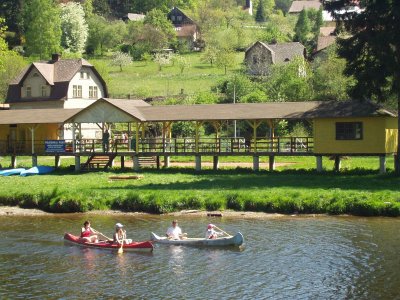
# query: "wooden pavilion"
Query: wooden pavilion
339,128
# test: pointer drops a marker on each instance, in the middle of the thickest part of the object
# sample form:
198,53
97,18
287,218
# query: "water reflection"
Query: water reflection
287,258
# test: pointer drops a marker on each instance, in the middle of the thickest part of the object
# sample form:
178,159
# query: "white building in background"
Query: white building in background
58,83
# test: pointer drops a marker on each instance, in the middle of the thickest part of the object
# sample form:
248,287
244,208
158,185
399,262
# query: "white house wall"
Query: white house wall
91,80
35,83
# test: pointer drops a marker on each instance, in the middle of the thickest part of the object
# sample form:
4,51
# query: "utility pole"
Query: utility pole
234,102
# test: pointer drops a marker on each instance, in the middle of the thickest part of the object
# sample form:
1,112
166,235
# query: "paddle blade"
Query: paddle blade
120,250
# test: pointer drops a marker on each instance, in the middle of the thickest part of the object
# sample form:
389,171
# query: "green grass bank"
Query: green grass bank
293,188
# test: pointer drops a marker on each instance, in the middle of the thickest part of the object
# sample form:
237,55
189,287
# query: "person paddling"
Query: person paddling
175,232
87,234
211,233
120,235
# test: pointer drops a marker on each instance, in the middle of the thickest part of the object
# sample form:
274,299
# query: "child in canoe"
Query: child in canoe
120,235
211,233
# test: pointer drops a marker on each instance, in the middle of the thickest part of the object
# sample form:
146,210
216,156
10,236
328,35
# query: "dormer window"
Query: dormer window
83,75
77,91
28,91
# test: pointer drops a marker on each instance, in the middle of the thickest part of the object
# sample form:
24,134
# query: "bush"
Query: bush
234,202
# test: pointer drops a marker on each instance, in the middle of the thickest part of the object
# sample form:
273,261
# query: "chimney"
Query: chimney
55,57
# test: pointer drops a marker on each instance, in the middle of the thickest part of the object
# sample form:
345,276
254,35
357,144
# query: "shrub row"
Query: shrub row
163,202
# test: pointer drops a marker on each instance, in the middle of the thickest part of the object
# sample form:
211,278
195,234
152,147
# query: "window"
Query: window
93,92
83,75
28,91
179,18
44,91
77,91
349,131
173,18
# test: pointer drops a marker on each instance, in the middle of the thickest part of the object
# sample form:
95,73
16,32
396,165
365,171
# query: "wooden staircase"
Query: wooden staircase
97,162
148,161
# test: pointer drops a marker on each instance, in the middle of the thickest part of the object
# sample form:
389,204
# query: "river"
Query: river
283,258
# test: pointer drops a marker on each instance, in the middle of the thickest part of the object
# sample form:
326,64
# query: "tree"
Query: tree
42,27
372,52
260,12
11,64
121,59
10,11
290,81
329,82
157,19
74,27
303,28
103,34
162,59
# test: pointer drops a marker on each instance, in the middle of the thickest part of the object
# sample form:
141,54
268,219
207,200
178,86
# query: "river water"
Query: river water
283,258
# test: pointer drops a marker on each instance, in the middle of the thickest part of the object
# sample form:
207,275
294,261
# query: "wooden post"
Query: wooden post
319,163
166,161
57,161
271,162
34,160
256,163
337,163
77,163
197,137
74,141
382,164
13,161
198,162
136,165
137,137
122,161
255,124
215,162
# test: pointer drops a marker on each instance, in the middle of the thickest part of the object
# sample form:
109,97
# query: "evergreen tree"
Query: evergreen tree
302,28
373,52
260,12
42,27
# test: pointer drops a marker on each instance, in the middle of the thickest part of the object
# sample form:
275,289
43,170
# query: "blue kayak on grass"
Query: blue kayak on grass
10,172
39,170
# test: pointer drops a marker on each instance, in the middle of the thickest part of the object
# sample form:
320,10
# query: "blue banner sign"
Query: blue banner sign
54,146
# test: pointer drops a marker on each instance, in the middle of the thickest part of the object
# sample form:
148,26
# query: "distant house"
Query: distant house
260,56
326,38
133,17
57,83
298,6
186,29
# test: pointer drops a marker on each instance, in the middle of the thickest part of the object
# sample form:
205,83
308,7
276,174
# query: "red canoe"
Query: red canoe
134,246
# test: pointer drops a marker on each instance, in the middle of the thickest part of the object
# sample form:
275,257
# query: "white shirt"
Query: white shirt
174,232
211,232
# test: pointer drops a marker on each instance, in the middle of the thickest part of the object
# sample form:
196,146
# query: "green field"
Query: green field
143,79
293,188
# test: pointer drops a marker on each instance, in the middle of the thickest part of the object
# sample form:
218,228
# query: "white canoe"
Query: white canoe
235,240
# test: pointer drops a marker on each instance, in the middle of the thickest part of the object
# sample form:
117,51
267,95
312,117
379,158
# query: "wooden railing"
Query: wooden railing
224,145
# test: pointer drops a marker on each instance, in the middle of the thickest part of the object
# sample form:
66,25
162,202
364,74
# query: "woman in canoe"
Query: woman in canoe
87,234
120,235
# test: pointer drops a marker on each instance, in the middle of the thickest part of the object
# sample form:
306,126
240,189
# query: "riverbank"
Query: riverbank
18,211
354,192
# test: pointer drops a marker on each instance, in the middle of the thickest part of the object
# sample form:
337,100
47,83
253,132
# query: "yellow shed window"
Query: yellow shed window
349,131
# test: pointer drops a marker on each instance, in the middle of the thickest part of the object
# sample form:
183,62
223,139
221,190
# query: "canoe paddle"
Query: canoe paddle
120,250
98,232
224,232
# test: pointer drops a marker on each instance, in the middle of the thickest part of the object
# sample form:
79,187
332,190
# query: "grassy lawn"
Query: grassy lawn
295,188
143,79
